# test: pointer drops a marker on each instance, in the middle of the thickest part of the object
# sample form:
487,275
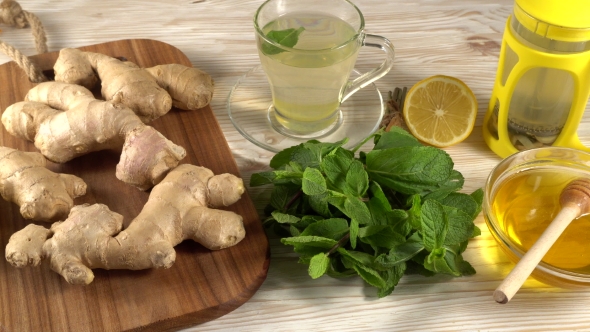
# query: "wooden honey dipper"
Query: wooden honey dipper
575,202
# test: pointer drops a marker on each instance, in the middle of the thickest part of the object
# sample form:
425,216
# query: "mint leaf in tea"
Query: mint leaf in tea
287,38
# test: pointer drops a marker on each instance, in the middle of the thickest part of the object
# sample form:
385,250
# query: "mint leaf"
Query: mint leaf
311,241
283,157
476,231
284,218
437,262
357,180
458,248
453,183
260,179
309,245
381,236
418,268
276,177
379,195
396,138
357,210
415,212
308,220
313,182
294,231
401,253
354,232
361,262
311,219
399,220
282,195
345,174
478,198
357,257
370,276
342,152
463,202
318,265
383,214
287,38
293,166
392,278
465,267
312,153
434,225
446,261
409,170
319,203
337,200
334,228
378,212
460,226
337,268
335,167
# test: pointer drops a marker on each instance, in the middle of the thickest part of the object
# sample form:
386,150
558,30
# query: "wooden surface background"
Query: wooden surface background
460,38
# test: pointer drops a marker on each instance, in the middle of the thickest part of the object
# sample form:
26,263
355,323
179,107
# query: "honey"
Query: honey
525,202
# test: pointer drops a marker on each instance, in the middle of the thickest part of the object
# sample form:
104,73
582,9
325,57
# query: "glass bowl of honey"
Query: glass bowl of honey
522,198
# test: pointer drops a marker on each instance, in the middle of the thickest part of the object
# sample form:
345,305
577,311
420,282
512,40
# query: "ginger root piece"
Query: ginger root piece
28,240
41,194
179,208
65,121
149,92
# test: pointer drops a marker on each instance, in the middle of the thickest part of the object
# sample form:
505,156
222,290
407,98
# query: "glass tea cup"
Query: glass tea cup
308,49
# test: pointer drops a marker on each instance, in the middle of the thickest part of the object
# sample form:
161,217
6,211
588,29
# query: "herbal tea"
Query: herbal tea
306,82
526,203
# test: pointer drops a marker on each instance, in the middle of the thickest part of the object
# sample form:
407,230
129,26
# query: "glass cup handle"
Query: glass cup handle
369,77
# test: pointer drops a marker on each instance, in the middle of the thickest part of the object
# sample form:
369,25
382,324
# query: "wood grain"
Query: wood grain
460,38
200,286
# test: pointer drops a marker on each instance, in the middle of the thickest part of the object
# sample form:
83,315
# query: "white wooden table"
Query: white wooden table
450,37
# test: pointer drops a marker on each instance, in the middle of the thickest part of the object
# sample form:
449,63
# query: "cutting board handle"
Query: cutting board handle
11,13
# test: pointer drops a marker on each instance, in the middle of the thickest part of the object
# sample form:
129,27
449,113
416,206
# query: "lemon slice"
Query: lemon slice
440,111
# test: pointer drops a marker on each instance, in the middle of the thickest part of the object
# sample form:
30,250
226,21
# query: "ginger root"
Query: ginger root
178,208
149,92
41,194
65,121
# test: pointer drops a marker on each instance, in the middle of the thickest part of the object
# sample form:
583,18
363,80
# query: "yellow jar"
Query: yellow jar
543,78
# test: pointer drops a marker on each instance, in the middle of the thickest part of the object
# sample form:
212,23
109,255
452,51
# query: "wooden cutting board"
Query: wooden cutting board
202,285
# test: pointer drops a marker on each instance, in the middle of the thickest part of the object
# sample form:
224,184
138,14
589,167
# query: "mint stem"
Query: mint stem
363,142
338,244
292,200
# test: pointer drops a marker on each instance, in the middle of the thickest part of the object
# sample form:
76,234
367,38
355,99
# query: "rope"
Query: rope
12,14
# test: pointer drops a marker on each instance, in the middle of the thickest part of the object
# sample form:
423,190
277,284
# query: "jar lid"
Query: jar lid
567,20
565,13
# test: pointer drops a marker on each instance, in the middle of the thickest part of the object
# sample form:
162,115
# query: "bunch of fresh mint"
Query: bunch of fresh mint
391,211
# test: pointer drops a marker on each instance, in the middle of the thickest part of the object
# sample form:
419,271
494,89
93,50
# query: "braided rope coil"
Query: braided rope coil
13,15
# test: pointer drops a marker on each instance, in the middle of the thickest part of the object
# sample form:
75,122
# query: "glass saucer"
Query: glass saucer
249,105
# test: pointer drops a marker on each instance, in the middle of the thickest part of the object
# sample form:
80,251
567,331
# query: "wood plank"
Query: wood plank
460,38
202,285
